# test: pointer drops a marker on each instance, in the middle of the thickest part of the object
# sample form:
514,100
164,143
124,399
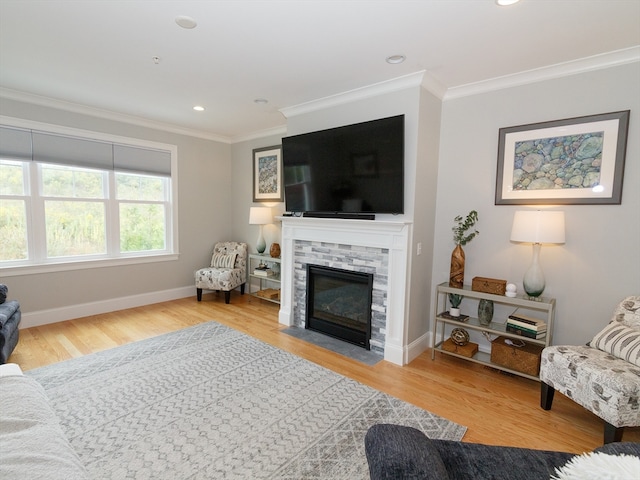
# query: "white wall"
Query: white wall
600,262
205,216
242,194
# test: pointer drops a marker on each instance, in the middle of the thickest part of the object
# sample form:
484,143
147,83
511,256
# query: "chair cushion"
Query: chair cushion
223,260
628,312
602,383
620,341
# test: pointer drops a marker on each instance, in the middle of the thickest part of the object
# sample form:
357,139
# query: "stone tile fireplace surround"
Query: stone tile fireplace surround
378,247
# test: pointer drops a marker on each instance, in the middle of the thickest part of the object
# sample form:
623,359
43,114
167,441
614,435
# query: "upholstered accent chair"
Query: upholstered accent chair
228,270
602,376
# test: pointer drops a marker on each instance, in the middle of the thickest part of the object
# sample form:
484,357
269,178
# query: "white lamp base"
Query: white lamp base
533,281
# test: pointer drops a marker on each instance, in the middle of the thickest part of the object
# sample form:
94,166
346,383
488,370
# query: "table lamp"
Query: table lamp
260,216
537,227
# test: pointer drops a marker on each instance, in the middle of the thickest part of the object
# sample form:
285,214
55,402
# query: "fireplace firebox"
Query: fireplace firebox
339,303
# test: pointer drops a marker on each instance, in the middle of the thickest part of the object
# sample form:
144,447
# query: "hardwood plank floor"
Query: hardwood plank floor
498,409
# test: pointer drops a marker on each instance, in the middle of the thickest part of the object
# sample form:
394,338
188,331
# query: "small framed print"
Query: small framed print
267,174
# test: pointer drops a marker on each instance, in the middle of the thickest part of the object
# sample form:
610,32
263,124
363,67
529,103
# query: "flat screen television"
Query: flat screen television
346,171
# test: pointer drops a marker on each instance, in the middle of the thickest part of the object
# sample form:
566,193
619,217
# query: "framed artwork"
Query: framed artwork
267,174
563,162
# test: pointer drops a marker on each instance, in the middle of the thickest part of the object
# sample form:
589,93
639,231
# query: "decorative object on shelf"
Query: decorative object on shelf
467,350
274,251
260,216
461,237
485,311
267,174
455,301
512,290
459,336
489,285
517,355
585,155
537,227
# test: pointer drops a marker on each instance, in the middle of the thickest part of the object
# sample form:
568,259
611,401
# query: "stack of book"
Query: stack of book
263,272
526,326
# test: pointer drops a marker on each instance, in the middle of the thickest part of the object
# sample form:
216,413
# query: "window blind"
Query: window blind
15,143
21,144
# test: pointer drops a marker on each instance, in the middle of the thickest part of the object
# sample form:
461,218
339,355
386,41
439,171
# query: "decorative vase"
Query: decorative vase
274,251
485,311
456,274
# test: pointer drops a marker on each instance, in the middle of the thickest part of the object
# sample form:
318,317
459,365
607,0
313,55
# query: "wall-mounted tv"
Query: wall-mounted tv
346,171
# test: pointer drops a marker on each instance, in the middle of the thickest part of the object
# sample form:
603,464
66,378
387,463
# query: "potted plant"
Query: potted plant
455,300
461,236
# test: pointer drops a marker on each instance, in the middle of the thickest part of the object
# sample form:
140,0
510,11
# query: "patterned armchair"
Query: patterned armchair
603,376
228,270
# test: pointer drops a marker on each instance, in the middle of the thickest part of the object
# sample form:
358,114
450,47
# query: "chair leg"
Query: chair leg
242,289
546,396
612,433
227,296
199,294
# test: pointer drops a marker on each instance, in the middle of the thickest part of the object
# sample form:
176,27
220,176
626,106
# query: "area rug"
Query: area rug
210,402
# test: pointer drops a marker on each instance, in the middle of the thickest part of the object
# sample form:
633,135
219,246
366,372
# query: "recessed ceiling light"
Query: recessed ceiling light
393,59
186,22
261,101
504,3
198,108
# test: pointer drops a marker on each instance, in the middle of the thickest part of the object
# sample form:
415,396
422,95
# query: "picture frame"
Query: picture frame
575,161
267,174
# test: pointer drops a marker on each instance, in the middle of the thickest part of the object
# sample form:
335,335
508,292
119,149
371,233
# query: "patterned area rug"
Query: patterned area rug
210,402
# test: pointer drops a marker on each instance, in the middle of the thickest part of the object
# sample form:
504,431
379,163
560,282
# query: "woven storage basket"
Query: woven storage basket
525,359
489,285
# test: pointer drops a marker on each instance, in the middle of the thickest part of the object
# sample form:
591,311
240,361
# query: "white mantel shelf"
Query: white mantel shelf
392,235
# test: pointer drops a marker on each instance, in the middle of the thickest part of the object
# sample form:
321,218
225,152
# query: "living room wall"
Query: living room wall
205,216
600,262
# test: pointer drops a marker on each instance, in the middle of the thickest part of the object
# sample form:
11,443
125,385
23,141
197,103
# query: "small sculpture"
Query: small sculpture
459,336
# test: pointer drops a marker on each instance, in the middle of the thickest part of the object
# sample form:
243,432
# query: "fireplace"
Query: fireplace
339,303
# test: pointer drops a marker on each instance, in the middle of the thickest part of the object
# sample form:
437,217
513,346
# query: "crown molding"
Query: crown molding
107,115
583,65
281,130
374,90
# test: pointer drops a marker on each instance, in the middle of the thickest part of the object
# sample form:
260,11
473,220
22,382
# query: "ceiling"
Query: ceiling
99,53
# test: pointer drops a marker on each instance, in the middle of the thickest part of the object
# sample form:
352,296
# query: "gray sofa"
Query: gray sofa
32,443
10,316
397,452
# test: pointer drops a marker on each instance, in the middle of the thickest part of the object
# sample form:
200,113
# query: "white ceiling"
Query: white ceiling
98,53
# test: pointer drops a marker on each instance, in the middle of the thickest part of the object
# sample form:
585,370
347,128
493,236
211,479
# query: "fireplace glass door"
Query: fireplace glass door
339,303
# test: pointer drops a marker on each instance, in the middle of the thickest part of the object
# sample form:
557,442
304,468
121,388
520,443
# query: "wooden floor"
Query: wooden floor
498,409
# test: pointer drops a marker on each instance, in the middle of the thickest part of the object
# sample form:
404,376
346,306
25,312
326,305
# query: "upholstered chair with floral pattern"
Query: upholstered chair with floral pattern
228,270
602,376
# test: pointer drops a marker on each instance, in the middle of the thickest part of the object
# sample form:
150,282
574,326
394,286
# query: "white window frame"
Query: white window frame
40,265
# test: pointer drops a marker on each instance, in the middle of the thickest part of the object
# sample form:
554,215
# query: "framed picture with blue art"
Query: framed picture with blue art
563,162
267,174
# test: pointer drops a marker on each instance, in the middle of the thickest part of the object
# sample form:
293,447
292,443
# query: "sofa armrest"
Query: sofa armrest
32,443
395,452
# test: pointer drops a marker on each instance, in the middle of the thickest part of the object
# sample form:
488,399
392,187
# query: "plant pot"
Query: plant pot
454,312
456,274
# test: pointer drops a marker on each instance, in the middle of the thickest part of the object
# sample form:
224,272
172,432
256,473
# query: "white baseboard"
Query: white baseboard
415,348
44,317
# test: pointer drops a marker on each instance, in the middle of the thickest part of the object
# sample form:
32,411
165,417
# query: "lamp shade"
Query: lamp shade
538,226
260,216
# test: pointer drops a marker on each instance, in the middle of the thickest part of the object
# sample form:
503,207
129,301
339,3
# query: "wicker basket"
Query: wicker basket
525,358
489,285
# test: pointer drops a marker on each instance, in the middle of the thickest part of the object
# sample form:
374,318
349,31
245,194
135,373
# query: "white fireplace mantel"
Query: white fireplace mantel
391,235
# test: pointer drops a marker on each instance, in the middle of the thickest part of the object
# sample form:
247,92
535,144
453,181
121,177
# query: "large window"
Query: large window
66,199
